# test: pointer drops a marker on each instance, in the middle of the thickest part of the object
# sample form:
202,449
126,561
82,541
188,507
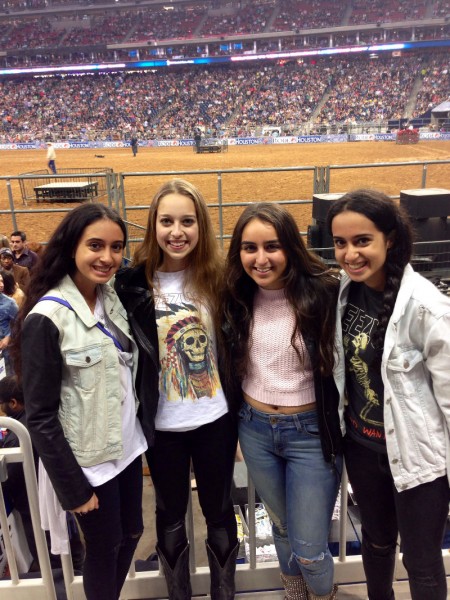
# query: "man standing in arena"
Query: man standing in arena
134,144
197,139
51,157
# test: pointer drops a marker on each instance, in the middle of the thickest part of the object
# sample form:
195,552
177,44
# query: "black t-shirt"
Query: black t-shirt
364,413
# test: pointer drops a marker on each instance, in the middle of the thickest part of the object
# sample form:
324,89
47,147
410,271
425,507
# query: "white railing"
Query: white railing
251,576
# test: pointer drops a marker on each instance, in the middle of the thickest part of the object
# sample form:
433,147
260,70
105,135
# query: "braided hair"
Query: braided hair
389,218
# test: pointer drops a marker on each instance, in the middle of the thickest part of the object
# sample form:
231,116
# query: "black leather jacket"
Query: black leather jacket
327,401
132,288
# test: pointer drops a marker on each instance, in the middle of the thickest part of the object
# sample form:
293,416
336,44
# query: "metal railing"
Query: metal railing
251,576
319,179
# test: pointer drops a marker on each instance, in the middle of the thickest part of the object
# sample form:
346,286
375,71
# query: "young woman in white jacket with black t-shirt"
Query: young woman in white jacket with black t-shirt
393,335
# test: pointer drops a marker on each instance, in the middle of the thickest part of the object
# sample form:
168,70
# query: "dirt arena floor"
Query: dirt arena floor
140,184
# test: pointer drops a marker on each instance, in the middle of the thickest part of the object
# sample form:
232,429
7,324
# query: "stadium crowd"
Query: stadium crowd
169,104
435,85
197,19
380,92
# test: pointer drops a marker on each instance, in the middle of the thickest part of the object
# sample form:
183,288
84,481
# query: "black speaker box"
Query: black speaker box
426,203
321,205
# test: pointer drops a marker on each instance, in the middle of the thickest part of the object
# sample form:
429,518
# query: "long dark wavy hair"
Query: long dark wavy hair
308,285
58,261
389,218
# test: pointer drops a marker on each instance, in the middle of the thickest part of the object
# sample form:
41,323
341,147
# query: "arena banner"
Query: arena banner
19,146
335,138
384,137
77,144
167,143
309,139
434,135
370,137
285,139
26,146
247,141
108,144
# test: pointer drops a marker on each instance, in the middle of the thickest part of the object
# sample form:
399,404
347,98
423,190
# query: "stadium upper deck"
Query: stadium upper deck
42,32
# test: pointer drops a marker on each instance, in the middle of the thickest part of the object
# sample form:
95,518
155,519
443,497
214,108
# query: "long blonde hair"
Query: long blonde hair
205,261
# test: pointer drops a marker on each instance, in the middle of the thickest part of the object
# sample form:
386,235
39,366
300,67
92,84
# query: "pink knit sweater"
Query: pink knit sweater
275,374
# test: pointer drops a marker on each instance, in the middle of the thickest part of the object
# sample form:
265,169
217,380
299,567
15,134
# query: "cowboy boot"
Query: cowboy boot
178,579
222,578
295,587
331,596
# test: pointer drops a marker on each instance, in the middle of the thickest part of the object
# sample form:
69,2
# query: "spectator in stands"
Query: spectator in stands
8,312
11,288
21,274
278,314
4,242
23,256
393,336
12,405
51,157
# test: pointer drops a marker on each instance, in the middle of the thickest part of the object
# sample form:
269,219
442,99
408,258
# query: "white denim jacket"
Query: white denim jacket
88,394
416,375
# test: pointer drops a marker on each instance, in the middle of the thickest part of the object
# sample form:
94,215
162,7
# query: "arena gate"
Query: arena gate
68,185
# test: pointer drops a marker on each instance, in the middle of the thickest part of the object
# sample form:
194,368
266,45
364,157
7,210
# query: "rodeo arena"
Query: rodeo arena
291,101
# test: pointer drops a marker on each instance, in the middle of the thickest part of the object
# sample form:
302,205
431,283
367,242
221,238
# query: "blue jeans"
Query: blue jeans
298,487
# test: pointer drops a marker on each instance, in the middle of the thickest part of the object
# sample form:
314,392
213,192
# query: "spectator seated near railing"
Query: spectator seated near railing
10,287
8,312
12,405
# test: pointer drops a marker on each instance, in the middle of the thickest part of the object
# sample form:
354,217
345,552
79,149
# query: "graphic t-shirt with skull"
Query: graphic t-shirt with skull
191,394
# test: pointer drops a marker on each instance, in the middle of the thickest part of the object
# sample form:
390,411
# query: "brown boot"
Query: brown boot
331,596
295,587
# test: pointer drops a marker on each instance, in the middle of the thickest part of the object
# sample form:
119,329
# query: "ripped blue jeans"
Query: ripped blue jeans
284,457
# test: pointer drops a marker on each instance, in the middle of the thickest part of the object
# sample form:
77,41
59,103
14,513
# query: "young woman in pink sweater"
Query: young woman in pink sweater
279,308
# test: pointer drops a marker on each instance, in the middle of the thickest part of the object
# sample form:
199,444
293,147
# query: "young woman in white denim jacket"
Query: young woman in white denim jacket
393,336
78,362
